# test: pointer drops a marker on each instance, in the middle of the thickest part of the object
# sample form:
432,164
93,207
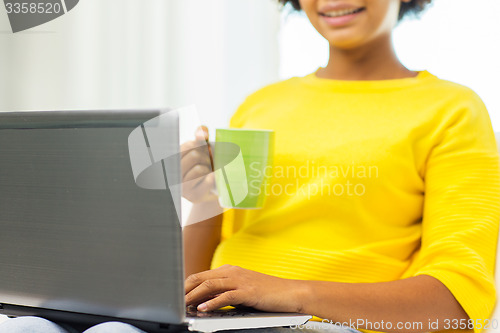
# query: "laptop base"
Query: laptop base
83,321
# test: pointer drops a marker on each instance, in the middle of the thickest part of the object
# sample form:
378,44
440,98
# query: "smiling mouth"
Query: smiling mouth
343,12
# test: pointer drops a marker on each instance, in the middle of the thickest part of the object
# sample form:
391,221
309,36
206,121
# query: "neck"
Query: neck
376,60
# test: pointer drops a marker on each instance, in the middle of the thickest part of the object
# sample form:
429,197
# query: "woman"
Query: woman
404,229
414,242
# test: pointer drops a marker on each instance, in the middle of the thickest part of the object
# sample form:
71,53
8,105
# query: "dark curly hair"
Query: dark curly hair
413,7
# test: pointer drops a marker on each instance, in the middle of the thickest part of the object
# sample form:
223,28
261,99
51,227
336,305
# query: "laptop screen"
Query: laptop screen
77,233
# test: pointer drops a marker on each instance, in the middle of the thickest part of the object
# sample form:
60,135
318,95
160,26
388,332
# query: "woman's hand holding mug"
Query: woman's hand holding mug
198,181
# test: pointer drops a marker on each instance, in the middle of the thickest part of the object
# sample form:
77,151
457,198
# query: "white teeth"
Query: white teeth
337,13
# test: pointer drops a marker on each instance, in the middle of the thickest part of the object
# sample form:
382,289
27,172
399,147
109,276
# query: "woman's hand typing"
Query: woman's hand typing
233,285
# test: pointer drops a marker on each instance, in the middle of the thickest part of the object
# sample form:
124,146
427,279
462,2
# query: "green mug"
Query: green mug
243,159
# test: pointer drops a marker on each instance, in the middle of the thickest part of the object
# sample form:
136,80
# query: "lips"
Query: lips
338,14
341,12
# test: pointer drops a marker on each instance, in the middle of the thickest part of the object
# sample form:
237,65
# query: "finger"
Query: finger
232,297
193,158
193,280
186,147
198,184
200,149
200,146
198,172
205,135
200,187
202,133
207,290
197,191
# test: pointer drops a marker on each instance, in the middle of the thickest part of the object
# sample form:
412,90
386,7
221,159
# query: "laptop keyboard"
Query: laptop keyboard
229,312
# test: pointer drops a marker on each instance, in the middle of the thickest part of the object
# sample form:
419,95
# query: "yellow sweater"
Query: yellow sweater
373,181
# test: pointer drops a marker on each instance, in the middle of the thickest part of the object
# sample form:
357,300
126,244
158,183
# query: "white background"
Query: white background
137,54
109,54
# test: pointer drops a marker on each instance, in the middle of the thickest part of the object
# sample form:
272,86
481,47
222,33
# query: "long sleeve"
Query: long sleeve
462,209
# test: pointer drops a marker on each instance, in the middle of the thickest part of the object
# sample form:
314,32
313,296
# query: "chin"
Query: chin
345,42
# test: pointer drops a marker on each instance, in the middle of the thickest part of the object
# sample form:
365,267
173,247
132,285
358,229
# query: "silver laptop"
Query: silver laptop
81,241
